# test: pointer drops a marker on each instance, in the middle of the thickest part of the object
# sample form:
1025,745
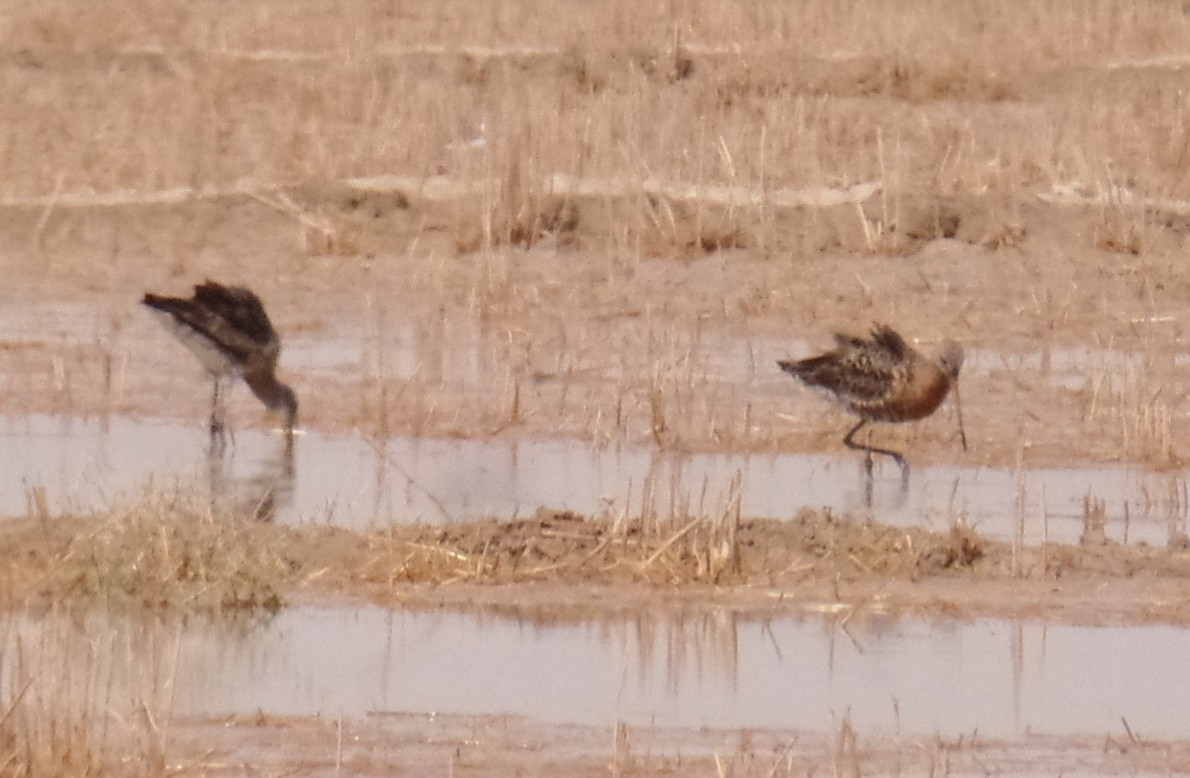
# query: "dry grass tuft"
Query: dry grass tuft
672,227
560,546
523,223
164,554
164,557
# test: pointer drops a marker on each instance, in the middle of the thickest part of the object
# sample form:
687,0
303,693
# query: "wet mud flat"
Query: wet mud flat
513,746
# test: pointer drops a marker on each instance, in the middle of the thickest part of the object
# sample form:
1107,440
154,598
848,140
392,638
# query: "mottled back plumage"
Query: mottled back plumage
231,320
882,378
227,328
861,374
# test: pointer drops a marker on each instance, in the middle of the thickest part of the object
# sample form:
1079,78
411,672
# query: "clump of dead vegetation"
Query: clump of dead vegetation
163,553
561,546
167,556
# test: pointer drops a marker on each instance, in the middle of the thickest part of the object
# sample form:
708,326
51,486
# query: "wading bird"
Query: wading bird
883,379
227,328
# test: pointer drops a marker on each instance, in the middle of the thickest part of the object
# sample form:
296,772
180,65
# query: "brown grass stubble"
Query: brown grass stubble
163,555
792,102
589,256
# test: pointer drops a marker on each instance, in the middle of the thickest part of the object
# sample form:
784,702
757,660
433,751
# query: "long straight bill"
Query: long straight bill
959,407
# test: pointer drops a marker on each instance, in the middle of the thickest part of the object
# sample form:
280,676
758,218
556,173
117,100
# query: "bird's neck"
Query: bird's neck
274,394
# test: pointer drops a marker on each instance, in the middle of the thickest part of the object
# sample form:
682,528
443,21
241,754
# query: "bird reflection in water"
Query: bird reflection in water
259,495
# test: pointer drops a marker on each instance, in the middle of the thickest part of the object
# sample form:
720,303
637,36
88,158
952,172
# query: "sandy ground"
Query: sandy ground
607,231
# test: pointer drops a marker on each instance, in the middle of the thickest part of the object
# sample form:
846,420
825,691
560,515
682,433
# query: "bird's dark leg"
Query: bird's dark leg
869,450
216,418
218,426
868,455
850,443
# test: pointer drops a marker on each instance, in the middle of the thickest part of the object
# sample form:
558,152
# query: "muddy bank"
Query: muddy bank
178,560
511,746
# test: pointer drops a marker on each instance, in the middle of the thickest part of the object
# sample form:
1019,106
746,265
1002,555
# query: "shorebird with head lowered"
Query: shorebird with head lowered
227,328
882,378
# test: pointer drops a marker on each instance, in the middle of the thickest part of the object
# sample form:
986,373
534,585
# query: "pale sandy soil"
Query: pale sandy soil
749,181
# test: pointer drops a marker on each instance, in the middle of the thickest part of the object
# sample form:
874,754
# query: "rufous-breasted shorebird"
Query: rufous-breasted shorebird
883,378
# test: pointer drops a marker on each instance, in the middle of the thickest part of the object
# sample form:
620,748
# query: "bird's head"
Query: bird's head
951,359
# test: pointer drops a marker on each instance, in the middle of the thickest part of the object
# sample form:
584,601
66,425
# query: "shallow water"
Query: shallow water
350,481
666,668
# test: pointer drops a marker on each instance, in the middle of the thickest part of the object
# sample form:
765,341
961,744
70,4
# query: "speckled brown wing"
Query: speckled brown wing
861,374
888,341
